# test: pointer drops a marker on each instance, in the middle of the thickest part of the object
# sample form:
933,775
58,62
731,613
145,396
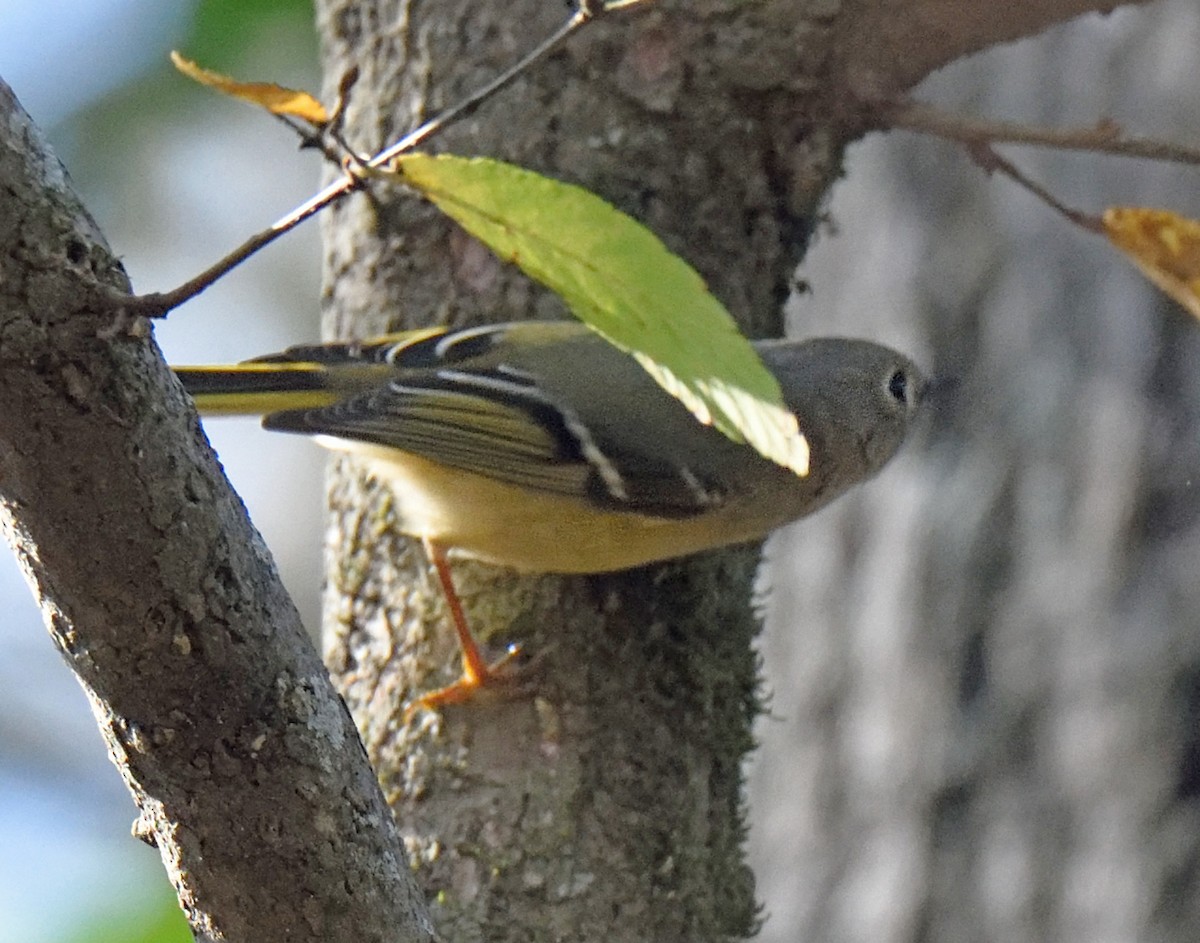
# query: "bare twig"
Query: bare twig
158,304
338,115
986,157
1104,138
587,12
978,137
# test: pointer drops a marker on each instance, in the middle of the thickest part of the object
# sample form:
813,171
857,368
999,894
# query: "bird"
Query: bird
541,446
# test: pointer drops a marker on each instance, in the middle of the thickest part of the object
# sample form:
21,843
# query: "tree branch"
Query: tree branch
1103,138
243,761
883,47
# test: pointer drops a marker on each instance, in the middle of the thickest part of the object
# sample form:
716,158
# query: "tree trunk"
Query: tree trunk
609,804
162,598
720,126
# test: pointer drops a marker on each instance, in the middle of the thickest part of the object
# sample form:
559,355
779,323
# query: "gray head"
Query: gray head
854,400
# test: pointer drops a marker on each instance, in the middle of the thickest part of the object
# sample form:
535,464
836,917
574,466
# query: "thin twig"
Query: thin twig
345,86
158,304
1103,138
584,15
986,157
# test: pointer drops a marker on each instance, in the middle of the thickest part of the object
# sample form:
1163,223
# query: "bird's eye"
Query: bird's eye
898,387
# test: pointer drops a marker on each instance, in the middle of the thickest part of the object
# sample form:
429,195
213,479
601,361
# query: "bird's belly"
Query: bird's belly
542,532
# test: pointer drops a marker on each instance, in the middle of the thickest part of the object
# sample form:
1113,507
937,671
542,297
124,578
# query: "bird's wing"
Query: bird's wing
456,400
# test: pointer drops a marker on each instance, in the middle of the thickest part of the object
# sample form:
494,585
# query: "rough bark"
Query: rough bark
720,125
240,756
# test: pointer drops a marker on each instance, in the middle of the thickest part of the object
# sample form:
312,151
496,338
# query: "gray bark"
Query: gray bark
545,816
242,760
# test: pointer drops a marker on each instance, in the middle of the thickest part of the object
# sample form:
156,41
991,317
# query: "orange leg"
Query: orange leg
477,673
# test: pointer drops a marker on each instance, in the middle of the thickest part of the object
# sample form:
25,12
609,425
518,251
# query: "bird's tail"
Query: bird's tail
255,389
258,388
304,377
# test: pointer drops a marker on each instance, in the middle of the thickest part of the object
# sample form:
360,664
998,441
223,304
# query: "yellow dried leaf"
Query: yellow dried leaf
1164,245
275,98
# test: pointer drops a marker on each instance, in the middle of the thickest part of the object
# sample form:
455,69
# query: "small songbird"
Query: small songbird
541,446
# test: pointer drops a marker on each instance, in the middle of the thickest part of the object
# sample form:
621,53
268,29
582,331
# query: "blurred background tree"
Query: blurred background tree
985,667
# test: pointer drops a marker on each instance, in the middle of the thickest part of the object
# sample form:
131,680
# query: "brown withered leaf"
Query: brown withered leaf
1164,245
275,98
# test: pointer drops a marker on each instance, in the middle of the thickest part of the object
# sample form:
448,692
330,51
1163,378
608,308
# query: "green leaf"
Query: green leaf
620,279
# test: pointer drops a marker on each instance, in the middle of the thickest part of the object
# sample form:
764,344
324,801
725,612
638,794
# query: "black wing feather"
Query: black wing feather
450,402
